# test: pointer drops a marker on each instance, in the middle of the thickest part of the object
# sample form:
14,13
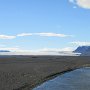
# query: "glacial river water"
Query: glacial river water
78,79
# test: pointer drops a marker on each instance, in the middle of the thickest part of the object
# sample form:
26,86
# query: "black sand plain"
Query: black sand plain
26,72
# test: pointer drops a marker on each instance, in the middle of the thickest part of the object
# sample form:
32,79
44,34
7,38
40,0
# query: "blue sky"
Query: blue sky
44,24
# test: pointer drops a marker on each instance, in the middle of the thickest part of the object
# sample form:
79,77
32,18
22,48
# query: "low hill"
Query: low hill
4,51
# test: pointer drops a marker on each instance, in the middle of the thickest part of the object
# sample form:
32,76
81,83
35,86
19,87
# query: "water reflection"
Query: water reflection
75,80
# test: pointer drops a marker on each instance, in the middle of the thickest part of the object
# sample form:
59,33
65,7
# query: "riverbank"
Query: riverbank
26,72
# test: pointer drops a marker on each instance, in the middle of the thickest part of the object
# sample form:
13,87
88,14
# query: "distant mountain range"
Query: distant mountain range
4,51
84,50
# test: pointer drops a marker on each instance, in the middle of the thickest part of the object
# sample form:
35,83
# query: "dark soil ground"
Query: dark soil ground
26,72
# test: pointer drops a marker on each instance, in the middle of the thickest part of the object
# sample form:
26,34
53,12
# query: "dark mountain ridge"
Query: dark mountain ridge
84,50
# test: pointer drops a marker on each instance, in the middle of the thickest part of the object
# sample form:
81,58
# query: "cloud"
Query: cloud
24,34
37,34
7,37
44,34
81,3
67,49
45,51
9,48
80,43
71,1
56,49
14,49
18,49
53,35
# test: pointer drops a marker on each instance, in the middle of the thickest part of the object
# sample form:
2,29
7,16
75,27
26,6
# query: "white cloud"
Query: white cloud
56,49
71,1
53,35
45,34
7,37
24,34
80,43
14,49
67,49
17,49
45,51
37,34
81,3
9,48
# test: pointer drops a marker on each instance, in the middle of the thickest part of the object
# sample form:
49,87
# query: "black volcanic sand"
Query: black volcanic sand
26,72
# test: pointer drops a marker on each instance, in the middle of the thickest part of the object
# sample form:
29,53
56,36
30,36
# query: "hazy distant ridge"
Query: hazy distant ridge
4,51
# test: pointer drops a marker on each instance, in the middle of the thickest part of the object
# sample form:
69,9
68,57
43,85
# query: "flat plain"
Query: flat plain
19,72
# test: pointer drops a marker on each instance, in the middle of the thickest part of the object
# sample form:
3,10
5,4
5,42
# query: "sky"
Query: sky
44,24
